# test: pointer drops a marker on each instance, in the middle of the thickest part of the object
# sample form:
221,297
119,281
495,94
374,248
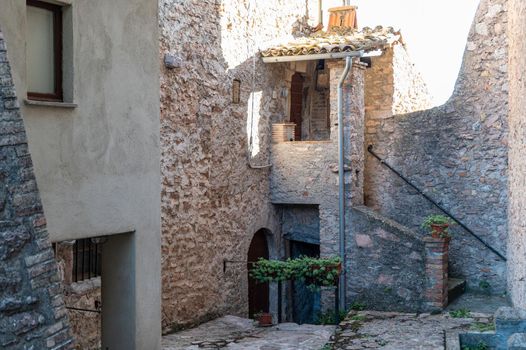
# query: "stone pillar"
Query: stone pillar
354,125
353,119
437,252
516,160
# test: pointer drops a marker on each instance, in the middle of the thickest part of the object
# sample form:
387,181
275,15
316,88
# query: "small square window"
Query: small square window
44,51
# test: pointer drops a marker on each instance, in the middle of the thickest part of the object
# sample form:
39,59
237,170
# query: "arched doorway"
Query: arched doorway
258,293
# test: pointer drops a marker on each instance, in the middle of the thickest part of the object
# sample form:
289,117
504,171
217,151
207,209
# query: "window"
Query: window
44,51
87,257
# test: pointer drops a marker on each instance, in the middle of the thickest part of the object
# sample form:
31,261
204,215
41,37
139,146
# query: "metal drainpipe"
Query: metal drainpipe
320,11
341,179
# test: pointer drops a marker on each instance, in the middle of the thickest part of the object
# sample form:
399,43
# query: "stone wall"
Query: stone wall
517,150
457,153
386,263
215,185
32,312
85,294
306,172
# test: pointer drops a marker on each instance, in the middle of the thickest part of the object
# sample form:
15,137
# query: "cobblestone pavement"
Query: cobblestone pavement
399,331
237,333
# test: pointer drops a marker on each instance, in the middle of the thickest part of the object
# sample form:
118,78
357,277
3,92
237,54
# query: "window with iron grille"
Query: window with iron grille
86,260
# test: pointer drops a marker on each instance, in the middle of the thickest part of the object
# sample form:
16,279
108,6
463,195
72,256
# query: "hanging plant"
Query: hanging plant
318,272
315,273
269,271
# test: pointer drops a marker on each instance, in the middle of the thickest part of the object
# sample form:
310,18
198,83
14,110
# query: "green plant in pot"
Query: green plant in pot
438,225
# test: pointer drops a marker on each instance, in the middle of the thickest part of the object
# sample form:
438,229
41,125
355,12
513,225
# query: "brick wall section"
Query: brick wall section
437,252
517,150
457,153
32,312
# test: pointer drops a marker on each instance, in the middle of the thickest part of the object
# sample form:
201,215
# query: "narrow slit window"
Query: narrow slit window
44,51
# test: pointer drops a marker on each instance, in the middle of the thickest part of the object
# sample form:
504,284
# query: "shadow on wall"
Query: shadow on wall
212,201
457,153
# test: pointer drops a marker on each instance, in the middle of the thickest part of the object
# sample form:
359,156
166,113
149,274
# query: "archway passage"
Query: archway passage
258,293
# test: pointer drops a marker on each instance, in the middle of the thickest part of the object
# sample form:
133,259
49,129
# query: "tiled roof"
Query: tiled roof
338,40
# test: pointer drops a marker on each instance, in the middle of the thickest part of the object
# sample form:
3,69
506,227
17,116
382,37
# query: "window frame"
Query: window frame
58,94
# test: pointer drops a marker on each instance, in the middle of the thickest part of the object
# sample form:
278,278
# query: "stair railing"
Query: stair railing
432,201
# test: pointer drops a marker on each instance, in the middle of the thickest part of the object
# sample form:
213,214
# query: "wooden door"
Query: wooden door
258,293
296,103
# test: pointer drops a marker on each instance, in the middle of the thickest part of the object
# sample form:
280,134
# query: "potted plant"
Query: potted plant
264,319
438,225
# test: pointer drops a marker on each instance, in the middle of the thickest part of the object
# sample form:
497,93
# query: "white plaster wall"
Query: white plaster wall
97,165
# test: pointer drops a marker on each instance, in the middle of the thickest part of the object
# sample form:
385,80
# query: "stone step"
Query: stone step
455,288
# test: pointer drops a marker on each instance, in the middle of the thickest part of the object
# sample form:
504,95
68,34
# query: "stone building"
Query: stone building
517,144
216,149
86,78
456,153
224,179
32,312
229,195
225,182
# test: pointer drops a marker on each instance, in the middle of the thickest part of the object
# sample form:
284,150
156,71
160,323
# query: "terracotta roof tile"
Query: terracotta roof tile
338,40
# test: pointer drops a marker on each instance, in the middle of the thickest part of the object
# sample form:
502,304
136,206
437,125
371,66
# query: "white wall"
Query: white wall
97,165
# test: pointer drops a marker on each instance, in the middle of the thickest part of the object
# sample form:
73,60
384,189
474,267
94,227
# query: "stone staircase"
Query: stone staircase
509,333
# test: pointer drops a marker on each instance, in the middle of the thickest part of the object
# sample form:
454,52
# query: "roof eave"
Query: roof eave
313,57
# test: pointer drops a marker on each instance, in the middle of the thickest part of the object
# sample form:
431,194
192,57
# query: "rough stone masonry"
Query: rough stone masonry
517,159
32,312
213,201
457,153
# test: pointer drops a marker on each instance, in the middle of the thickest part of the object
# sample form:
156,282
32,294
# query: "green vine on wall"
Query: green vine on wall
314,272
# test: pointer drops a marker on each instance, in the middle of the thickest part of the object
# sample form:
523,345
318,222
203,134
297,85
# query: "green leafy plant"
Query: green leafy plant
314,272
460,313
484,285
358,318
358,306
326,347
327,318
482,327
434,222
265,270
479,346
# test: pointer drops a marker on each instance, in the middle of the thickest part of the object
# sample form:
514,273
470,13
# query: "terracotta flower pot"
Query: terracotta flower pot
439,230
265,319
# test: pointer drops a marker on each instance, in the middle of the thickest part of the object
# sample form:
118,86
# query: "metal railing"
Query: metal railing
432,201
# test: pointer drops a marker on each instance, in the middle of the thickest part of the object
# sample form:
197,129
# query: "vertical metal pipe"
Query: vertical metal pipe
76,268
90,252
341,180
83,259
320,11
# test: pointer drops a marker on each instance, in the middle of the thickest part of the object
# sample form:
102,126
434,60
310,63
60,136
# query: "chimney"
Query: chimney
343,17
